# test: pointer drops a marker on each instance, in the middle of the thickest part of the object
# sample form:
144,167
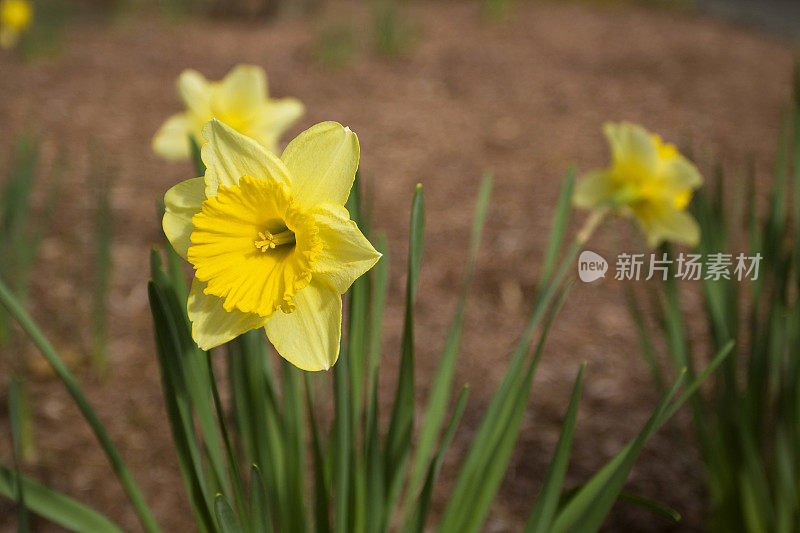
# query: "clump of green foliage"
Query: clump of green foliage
337,44
394,34
245,469
45,35
747,423
22,229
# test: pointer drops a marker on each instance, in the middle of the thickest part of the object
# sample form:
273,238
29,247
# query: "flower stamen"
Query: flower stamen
269,241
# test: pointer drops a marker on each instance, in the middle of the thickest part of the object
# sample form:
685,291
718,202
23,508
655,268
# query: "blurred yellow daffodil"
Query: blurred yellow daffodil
648,179
270,240
240,100
15,18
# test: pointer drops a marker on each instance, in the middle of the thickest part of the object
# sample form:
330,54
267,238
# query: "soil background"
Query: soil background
523,98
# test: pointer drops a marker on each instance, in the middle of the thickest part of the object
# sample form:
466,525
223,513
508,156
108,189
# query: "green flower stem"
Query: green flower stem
594,220
15,310
548,287
549,284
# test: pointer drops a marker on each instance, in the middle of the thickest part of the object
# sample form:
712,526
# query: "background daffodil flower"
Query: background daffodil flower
15,18
648,179
240,100
270,240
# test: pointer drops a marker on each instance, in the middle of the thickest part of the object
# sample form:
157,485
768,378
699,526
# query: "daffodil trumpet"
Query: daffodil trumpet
270,240
648,180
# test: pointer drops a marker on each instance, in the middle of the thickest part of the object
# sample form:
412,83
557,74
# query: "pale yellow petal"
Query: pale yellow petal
668,224
195,91
593,190
283,112
181,203
242,91
211,324
346,253
309,337
273,119
679,174
172,139
632,147
229,155
322,161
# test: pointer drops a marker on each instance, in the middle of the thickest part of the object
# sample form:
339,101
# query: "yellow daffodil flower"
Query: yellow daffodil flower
15,18
648,179
270,240
240,100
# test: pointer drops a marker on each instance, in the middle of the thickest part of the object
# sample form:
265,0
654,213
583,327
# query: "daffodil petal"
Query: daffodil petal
593,190
181,203
229,155
172,139
195,91
309,337
679,174
632,145
346,253
280,113
243,88
274,117
323,161
211,324
668,224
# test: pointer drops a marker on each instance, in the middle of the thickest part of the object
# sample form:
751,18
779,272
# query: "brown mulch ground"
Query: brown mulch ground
524,99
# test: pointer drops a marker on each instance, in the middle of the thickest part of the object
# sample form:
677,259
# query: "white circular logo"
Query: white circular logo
591,266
